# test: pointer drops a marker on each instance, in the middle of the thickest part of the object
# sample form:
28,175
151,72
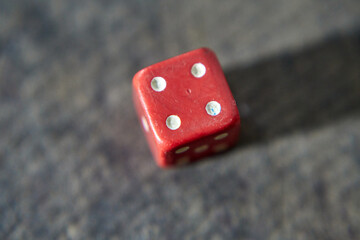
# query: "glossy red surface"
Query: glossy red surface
185,96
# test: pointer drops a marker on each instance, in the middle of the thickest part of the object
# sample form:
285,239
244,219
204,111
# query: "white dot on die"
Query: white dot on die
221,147
173,122
158,84
213,108
221,136
201,149
183,160
181,150
145,124
198,70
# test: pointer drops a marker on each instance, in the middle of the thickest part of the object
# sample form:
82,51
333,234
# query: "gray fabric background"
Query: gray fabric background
75,165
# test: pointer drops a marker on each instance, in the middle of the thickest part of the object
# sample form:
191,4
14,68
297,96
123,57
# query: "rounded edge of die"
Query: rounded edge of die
145,124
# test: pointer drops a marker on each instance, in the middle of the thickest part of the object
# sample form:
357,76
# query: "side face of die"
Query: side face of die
186,108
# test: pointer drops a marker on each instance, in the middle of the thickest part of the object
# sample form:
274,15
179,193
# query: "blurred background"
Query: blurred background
74,163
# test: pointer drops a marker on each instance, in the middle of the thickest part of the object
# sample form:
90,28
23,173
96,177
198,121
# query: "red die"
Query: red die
186,108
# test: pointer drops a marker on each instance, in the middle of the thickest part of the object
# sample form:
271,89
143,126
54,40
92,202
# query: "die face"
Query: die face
209,145
184,99
147,129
